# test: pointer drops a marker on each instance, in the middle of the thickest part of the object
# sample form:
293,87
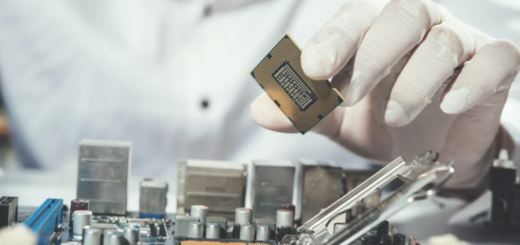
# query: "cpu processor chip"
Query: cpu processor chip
303,100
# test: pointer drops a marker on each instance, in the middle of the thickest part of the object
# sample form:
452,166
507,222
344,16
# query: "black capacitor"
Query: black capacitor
504,197
162,229
153,229
399,239
382,233
236,231
77,204
8,210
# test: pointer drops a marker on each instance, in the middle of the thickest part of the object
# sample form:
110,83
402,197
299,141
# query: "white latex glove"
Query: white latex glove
388,59
19,235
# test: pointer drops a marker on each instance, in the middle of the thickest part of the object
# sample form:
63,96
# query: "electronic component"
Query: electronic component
221,242
273,186
263,233
132,234
399,239
92,236
76,204
284,218
46,219
103,171
247,232
219,185
213,230
195,230
243,216
303,100
153,228
162,229
220,220
110,236
382,233
182,225
322,186
269,223
8,211
152,198
200,212
284,223
103,226
505,193
81,219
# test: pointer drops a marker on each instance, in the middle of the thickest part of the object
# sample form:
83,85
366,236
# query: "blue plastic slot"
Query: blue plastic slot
149,215
46,219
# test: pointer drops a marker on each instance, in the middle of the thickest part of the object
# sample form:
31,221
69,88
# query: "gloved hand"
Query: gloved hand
414,78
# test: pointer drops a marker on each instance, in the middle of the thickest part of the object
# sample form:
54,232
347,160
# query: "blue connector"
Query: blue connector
46,219
148,215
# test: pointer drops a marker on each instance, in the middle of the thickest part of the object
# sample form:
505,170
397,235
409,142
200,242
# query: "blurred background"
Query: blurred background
171,76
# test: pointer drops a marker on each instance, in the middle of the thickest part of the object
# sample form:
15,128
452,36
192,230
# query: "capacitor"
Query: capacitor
289,206
247,232
263,233
195,230
199,211
92,236
107,236
81,219
284,218
243,216
399,239
76,204
131,234
338,227
112,239
213,230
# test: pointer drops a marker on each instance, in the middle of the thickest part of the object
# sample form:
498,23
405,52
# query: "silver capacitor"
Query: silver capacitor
263,233
338,227
132,234
80,219
110,237
243,216
199,211
195,230
92,236
284,218
213,230
247,232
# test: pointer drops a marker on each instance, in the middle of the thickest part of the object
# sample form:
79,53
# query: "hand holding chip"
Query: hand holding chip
414,78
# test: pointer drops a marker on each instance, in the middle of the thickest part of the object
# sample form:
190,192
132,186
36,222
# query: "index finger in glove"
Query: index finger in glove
337,42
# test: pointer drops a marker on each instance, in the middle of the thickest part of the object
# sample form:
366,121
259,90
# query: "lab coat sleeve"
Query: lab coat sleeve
62,82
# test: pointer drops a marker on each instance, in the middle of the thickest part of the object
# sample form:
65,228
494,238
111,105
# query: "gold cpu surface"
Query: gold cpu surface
303,100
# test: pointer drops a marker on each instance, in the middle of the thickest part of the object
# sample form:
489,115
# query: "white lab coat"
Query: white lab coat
141,70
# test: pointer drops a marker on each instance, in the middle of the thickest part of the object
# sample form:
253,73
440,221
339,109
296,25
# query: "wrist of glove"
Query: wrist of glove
476,185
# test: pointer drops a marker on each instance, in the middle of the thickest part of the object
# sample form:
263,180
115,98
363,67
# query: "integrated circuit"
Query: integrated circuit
303,100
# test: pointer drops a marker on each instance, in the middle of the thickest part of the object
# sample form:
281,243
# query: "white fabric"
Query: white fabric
139,70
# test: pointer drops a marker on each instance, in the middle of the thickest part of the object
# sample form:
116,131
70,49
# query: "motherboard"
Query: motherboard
335,206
